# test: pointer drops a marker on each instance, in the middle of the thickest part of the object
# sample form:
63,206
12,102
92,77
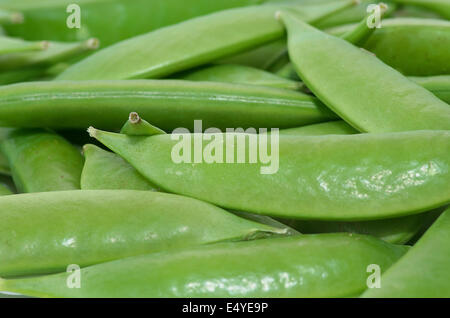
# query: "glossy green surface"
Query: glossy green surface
42,161
355,177
441,7
424,270
54,230
105,170
240,74
438,85
109,20
186,45
330,128
361,89
403,43
168,104
330,265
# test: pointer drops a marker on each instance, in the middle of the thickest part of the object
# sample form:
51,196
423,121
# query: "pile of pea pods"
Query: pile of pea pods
104,103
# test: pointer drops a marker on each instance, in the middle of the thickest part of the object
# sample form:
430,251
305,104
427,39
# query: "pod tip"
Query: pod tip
17,18
92,132
278,15
93,43
134,118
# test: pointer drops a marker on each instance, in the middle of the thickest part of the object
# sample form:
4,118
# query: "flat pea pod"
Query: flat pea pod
438,85
329,265
183,46
169,103
47,18
42,161
349,178
402,43
54,230
240,74
13,45
423,271
395,231
441,7
365,92
55,53
105,170
338,127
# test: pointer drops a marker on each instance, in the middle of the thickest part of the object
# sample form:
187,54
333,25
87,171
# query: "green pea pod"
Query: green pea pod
441,7
329,128
105,170
136,126
42,161
21,75
423,271
438,85
55,53
365,92
169,103
348,178
4,165
409,11
239,74
402,43
54,230
151,55
109,20
395,231
13,45
329,265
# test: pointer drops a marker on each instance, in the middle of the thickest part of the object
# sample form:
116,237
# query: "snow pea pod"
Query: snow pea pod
240,74
169,103
54,230
42,161
105,170
349,178
402,43
424,270
185,45
47,19
395,231
441,7
56,52
13,45
438,85
365,92
329,265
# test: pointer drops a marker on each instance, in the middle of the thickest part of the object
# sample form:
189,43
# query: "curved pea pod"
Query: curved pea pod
348,178
438,85
105,170
441,7
186,45
42,161
423,271
13,45
170,104
395,231
54,230
330,128
47,19
239,74
365,92
402,43
333,265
